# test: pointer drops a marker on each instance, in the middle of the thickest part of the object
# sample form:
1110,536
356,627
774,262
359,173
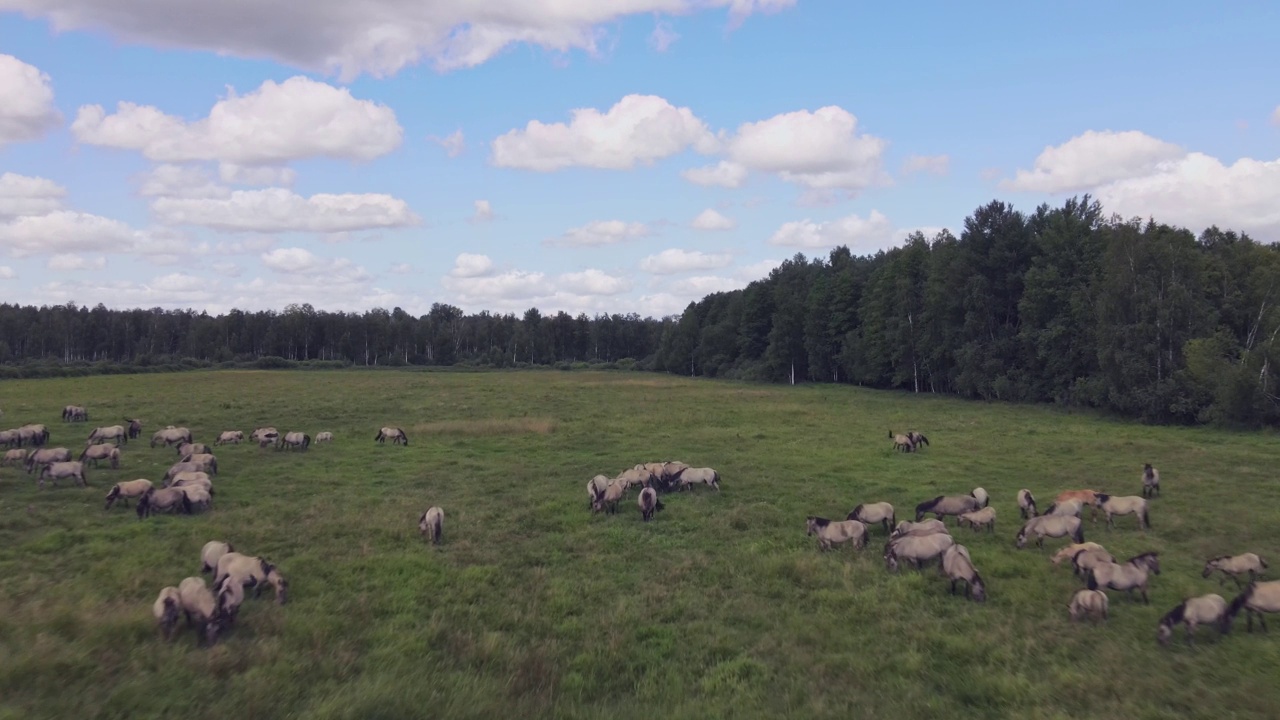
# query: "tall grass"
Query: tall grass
533,607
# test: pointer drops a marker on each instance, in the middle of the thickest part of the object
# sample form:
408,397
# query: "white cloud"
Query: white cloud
381,38
400,269
675,260
593,282
27,111
703,285
453,143
756,270
259,176
932,164
468,265
1198,190
819,150
278,122
709,219
510,285
280,210
662,37
67,231
1092,159
724,173
22,195
638,129
291,260
601,232
1275,116
929,231
181,181
67,262
859,234
483,213
7,273
175,290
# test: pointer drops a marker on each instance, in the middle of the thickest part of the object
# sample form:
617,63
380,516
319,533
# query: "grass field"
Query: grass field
533,607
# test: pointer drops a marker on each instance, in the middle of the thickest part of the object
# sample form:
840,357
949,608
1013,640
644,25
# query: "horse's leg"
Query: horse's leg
953,586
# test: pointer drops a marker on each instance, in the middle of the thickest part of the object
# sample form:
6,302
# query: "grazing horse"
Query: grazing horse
917,438
902,442
1130,576
297,440
1026,504
394,434
1202,610
135,428
1236,566
1257,598
1130,505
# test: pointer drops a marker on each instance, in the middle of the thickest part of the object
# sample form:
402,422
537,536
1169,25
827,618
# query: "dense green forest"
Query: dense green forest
1062,305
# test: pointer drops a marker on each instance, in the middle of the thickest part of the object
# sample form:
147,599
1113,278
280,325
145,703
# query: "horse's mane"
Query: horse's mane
820,521
1149,553
1175,615
1241,599
929,503
1216,559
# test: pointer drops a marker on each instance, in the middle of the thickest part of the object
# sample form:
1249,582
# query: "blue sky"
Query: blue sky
498,155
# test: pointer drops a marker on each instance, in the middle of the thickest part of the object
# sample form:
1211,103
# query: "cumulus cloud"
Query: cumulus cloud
66,262
22,195
65,231
26,102
1198,190
593,282
468,265
601,232
724,174
819,150
1275,117
675,260
932,164
859,234
1092,159
709,219
483,212
381,39
281,210
638,129
7,273
453,143
291,260
756,270
278,122
400,269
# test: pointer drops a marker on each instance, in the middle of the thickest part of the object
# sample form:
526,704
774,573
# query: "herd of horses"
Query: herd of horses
187,487
921,542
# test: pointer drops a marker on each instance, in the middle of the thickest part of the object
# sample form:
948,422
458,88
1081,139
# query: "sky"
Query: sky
591,155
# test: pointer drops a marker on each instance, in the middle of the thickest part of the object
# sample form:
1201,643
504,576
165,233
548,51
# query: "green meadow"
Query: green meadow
533,607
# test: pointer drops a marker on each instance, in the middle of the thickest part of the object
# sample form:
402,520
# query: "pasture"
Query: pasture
533,607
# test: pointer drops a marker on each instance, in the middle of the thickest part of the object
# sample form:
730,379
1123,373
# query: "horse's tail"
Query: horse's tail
1146,517
1078,535
306,441
1092,581
1262,562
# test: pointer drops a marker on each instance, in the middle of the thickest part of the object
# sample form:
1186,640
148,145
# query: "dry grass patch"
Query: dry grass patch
489,426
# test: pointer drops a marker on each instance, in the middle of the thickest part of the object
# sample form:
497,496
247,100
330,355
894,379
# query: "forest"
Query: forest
1062,305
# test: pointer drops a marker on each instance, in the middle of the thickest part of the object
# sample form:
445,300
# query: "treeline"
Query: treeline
39,340
1061,305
